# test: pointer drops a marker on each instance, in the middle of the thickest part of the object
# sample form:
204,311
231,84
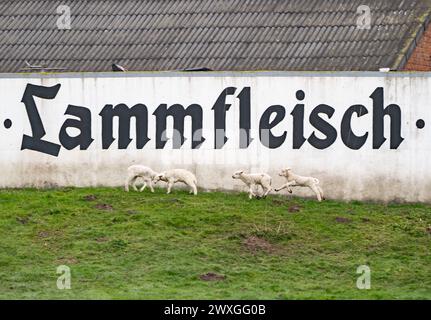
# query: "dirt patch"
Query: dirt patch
52,234
428,230
104,206
294,209
67,261
174,200
23,220
210,276
278,202
90,197
133,212
255,244
43,234
343,220
102,239
365,219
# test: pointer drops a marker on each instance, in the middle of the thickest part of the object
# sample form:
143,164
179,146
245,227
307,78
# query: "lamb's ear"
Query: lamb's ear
242,171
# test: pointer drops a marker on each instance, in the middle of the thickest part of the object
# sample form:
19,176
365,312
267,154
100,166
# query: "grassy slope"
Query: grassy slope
157,245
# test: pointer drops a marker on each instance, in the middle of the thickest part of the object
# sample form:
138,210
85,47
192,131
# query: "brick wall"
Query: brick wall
420,60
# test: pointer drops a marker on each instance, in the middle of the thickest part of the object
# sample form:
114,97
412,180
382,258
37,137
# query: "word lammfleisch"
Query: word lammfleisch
270,118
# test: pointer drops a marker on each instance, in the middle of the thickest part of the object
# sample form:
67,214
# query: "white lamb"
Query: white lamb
294,180
137,171
178,175
254,179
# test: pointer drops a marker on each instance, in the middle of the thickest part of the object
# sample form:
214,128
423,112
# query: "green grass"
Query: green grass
156,246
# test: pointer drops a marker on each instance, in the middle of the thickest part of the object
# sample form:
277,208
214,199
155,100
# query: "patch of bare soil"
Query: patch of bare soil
365,220
294,209
104,206
68,260
102,239
23,220
211,276
174,200
255,244
278,202
43,234
343,220
90,197
429,229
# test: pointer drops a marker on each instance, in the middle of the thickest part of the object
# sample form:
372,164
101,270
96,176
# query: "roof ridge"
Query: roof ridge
297,12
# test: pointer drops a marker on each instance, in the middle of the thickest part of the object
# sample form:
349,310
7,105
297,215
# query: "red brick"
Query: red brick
420,59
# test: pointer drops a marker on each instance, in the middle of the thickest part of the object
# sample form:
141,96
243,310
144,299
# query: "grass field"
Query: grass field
213,246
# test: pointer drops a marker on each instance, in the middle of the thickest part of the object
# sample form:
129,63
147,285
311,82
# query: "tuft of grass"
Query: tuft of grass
134,245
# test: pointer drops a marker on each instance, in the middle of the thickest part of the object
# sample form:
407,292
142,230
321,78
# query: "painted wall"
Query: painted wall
368,173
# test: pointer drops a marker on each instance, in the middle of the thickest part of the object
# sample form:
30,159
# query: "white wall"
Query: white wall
365,174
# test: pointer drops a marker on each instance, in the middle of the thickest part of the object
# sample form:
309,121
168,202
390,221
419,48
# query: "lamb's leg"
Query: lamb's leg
135,179
127,183
266,188
192,185
250,192
286,185
194,190
316,191
170,184
189,183
130,180
143,187
150,184
321,193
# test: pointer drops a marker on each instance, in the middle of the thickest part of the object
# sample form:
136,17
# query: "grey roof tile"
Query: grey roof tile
219,34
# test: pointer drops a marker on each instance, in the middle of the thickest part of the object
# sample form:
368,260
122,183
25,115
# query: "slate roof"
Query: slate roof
215,34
